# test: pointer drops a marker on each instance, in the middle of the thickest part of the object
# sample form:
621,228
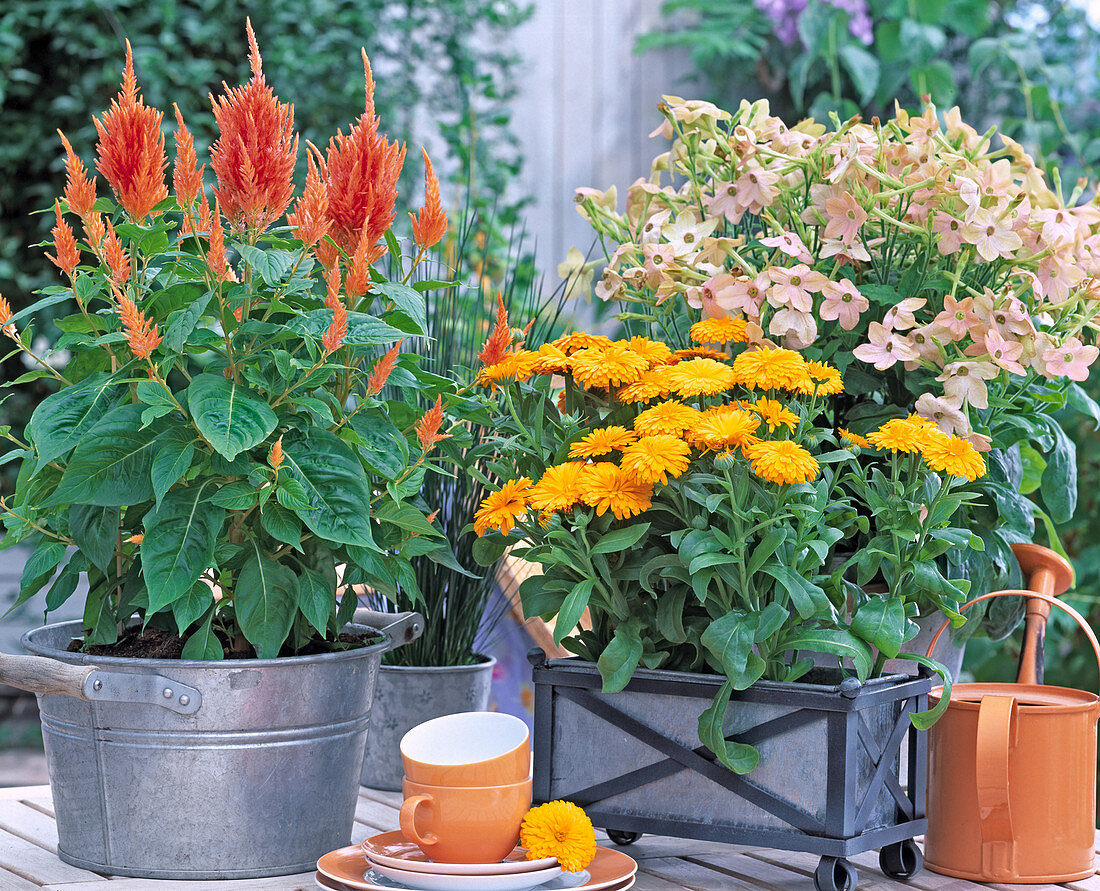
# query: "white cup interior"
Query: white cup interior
464,738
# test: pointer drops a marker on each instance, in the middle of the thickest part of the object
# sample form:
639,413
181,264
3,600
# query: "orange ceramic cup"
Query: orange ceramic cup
464,824
468,749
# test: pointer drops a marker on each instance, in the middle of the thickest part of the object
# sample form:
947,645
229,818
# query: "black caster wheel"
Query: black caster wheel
901,860
835,874
623,838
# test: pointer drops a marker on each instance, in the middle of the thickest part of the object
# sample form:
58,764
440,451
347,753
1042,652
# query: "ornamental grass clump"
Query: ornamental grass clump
933,267
693,501
218,457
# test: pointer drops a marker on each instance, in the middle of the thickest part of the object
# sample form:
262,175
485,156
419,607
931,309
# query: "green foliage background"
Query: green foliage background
443,78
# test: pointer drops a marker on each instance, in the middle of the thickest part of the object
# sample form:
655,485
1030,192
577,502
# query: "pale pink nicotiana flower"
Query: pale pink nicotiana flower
794,286
790,244
845,217
797,329
756,189
957,317
843,303
1072,359
1003,353
885,348
950,232
900,316
943,413
993,237
964,382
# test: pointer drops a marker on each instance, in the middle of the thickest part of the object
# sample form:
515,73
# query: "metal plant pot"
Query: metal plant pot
827,783
172,769
406,696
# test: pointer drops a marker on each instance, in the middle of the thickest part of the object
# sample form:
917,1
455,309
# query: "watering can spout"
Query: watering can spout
1047,573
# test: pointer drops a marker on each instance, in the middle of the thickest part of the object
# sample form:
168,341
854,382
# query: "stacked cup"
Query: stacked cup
467,786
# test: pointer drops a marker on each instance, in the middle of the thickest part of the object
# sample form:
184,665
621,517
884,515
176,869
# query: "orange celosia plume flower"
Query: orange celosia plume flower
430,223
358,276
131,148
255,154
95,230
68,254
186,175
310,215
142,335
79,187
118,261
215,257
5,311
382,369
427,428
360,171
338,328
275,456
499,342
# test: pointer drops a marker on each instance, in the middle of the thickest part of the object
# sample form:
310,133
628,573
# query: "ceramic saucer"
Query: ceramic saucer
326,884
392,850
547,879
609,871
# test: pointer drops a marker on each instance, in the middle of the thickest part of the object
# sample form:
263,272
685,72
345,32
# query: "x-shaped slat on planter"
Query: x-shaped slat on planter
883,758
680,757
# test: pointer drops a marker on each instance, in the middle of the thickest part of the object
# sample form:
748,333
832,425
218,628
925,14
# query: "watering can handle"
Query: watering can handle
1053,601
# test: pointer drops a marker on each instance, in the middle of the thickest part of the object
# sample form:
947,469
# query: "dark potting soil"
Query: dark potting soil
153,643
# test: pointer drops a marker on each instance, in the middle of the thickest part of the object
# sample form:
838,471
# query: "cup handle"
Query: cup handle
408,822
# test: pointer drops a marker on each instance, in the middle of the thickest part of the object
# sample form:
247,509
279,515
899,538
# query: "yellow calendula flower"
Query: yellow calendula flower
517,366
825,379
652,459
608,487
726,428
720,330
774,414
666,417
559,829
854,438
701,377
953,455
559,488
904,435
500,509
653,351
602,441
772,368
611,365
653,384
781,461
550,360
570,343
701,353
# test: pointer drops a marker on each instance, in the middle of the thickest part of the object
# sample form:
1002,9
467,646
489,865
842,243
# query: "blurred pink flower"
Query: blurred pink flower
1057,275
798,329
950,233
724,202
756,189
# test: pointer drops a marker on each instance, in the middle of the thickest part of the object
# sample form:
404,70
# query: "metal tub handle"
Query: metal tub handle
41,674
403,628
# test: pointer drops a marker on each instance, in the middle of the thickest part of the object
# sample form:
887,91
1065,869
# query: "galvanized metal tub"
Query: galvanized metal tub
210,770
828,781
406,696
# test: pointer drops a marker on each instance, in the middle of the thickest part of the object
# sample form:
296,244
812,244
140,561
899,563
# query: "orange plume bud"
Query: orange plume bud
310,215
382,369
332,287
275,456
95,230
427,428
141,334
186,175
136,539
68,254
131,148
358,277
360,172
499,342
254,155
5,311
337,331
215,257
118,261
205,221
430,223
79,187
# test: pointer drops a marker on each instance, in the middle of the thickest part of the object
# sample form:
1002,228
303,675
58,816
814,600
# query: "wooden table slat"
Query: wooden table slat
28,842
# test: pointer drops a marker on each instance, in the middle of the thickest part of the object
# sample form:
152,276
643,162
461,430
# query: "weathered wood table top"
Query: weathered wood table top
28,859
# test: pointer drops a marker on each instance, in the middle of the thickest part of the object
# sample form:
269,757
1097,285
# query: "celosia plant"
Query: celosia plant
692,502
928,266
220,445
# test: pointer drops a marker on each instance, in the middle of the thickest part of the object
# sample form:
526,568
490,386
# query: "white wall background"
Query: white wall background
585,105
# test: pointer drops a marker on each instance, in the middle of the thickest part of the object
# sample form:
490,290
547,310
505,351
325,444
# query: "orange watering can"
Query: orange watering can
1012,767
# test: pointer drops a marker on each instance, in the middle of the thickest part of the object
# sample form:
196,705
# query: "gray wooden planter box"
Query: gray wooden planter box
827,783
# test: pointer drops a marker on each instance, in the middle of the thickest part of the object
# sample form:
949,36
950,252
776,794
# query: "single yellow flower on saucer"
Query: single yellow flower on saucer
559,829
